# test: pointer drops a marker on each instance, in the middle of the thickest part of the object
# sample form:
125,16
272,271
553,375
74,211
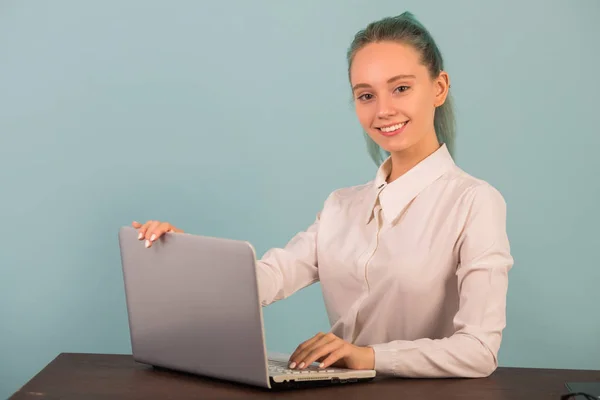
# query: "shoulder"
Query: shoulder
472,190
479,205
351,193
349,198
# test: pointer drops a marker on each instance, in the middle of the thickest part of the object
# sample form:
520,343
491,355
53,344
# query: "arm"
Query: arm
283,271
484,262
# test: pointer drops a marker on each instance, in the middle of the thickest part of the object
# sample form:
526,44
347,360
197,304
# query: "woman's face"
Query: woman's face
395,97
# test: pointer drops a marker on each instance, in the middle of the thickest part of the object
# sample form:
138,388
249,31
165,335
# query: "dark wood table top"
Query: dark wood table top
105,376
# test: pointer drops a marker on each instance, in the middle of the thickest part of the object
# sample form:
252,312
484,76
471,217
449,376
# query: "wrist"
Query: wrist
368,358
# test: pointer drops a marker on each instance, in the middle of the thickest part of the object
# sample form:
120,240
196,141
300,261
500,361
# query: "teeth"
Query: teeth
393,127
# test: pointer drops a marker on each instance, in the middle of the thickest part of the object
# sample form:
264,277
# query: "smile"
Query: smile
391,130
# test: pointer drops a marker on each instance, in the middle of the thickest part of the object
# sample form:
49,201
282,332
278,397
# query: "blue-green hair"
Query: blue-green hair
406,29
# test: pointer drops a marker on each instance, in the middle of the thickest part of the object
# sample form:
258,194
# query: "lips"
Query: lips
392,130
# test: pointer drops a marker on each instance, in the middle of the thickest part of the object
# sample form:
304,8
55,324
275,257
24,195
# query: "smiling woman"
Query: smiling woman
414,264
397,75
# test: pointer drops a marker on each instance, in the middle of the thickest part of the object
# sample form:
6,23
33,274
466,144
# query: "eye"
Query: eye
365,97
402,88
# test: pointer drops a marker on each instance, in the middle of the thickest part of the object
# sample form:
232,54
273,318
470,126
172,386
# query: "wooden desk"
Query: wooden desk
100,376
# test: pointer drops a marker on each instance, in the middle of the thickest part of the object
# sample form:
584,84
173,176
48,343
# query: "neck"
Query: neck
403,161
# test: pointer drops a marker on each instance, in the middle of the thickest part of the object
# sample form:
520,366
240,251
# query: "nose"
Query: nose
385,107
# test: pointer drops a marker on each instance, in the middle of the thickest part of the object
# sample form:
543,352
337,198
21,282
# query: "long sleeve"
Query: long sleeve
283,271
482,275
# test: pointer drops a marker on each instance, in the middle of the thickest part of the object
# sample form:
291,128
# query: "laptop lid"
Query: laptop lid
193,305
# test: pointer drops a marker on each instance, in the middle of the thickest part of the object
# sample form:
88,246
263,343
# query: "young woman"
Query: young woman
414,264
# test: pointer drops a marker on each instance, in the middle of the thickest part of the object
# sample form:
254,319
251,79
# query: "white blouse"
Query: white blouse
417,269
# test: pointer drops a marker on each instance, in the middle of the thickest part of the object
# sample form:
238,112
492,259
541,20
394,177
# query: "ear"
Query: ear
441,86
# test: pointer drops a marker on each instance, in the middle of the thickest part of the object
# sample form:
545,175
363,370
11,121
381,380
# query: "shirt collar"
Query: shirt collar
395,196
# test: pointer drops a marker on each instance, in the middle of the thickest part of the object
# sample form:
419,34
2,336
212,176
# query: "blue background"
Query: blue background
234,118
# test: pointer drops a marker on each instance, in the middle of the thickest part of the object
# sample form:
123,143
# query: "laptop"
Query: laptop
193,306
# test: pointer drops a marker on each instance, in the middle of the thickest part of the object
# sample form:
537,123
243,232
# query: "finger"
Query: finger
150,232
172,229
302,347
322,358
321,351
151,229
305,344
160,230
301,357
335,356
143,229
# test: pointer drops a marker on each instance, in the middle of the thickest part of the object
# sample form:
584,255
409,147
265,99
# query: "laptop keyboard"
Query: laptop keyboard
277,367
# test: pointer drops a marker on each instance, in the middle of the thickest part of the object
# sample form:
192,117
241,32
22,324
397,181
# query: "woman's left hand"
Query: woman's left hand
330,350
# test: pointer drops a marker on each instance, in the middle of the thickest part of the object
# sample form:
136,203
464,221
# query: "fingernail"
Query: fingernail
293,365
322,365
301,365
153,237
147,243
140,235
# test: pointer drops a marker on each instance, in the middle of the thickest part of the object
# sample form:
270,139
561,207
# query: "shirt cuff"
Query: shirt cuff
385,359
391,357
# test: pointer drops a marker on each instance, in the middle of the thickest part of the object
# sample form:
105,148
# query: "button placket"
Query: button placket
364,262
378,221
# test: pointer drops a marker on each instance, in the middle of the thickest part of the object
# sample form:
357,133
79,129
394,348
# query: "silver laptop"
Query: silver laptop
193,306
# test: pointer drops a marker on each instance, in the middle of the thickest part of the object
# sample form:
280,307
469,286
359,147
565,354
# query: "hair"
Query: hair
406,29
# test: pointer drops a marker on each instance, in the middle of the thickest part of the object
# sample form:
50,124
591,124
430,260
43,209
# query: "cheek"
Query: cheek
426,107
417,110
364,115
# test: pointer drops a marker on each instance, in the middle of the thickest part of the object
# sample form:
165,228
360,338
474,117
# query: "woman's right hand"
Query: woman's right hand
151,231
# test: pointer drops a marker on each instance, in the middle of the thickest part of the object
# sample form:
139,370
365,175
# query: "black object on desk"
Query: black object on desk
583,390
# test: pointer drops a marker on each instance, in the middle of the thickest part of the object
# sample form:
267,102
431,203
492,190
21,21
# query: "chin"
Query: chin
393,145
398,148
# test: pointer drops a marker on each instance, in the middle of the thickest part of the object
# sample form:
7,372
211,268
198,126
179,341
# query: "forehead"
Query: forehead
377,62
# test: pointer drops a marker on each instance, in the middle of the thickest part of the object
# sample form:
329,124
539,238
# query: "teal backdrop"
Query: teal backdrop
234,118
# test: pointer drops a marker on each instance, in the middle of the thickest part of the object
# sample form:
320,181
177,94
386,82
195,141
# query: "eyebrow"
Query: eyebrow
392,79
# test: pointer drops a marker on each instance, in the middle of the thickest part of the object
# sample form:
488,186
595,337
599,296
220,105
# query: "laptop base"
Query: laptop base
293,385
